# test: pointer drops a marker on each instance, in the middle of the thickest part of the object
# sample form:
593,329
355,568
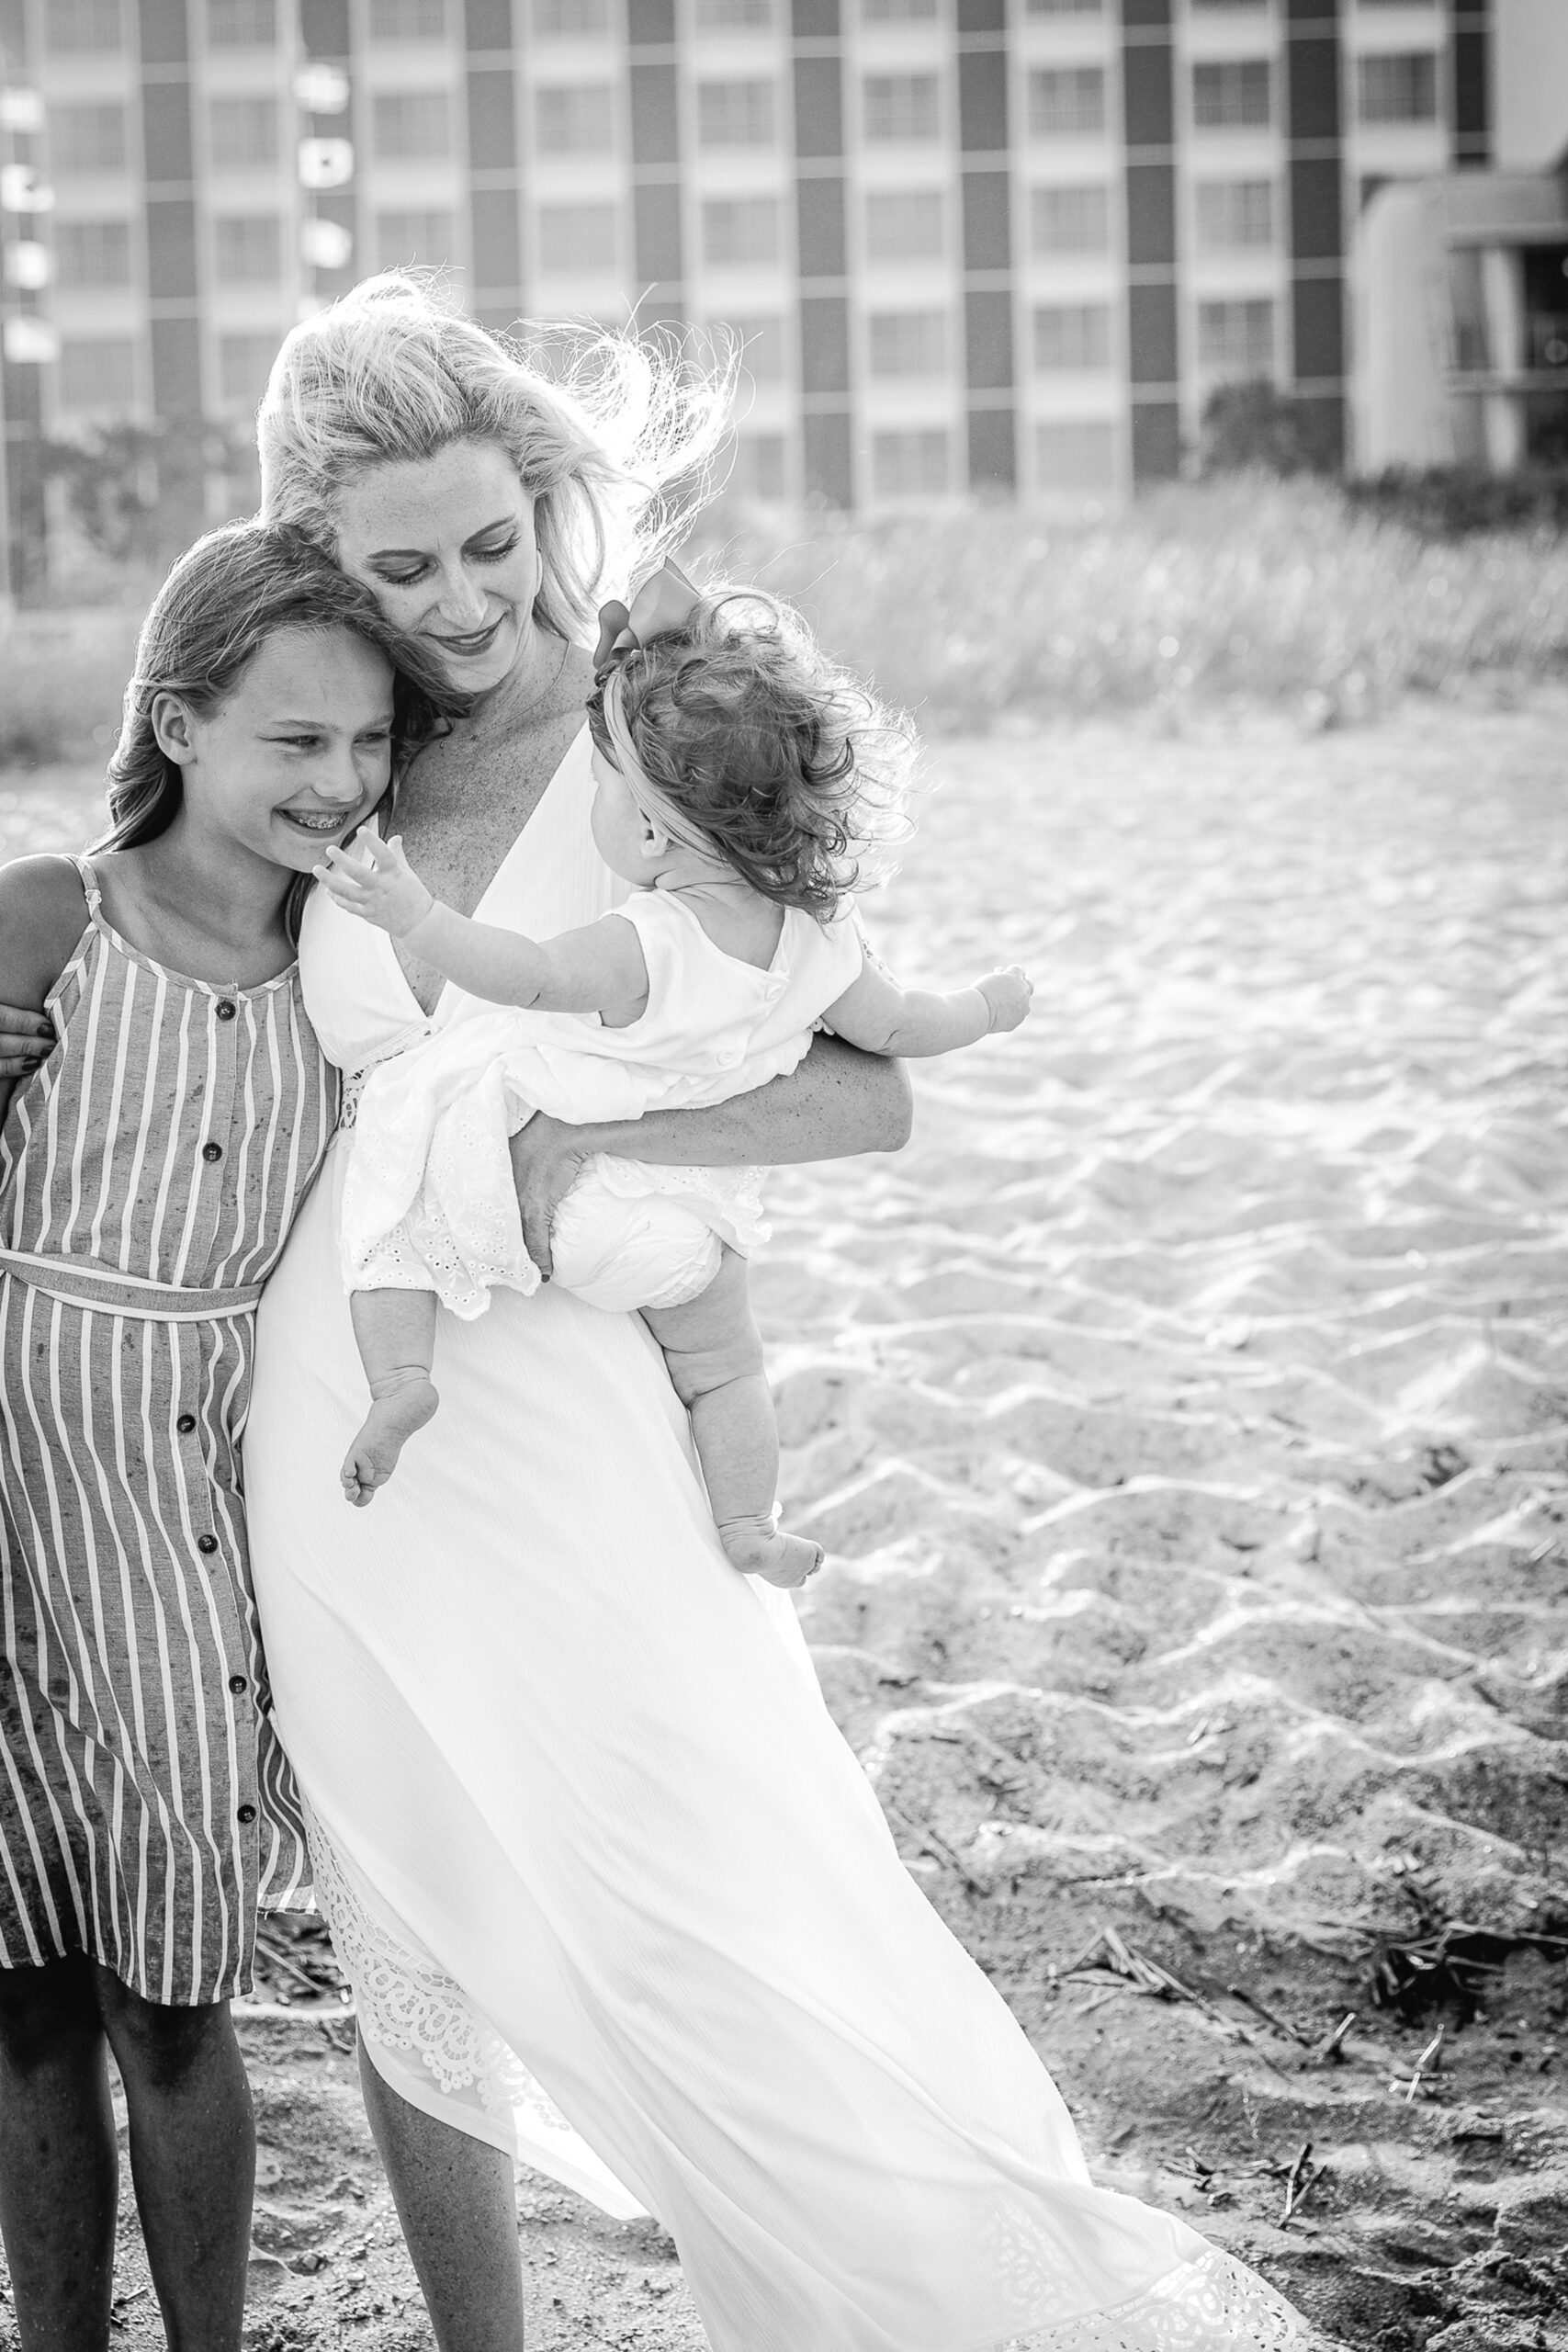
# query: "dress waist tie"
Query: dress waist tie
78,1282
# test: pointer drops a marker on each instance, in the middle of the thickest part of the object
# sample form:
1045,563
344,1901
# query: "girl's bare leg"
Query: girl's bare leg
59,2165
715,1354
459,2211
395,1333
193,2158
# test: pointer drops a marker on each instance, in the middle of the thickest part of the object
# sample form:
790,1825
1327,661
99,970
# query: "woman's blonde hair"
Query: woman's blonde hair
392,373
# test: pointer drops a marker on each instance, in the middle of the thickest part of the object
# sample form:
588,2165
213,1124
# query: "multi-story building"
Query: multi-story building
993,247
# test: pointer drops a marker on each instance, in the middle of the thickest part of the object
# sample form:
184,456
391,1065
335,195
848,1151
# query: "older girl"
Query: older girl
150,1169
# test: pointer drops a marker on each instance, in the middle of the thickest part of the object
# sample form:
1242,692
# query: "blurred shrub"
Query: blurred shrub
1452,502
61,676
1245,585
1252,428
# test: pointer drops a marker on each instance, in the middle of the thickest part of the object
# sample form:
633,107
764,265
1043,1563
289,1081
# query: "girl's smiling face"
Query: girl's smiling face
446,544
298,753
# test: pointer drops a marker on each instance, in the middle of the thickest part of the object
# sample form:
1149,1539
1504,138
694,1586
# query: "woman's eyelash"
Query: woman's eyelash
482,555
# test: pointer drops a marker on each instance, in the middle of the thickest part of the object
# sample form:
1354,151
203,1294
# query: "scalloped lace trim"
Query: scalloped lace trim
1214,2304
406,2002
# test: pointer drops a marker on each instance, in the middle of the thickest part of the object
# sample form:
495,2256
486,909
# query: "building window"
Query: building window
911,464
902,107
248,249
1236,94
1235,338
734,16
1066,101
735,113
1233,7
576,122
98,371
93,253
908,343
245,363
1069,220
242,24
737,228
1234,216
87,138
244,133
1072,334
392,20
1064,8
424,236
760,343
897,11
79,28
759,467
412,126
1076,456
905,226
571,19
1397,88
577,236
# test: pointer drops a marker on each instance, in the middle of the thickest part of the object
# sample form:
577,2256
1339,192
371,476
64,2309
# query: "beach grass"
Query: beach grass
1253,589
1259,589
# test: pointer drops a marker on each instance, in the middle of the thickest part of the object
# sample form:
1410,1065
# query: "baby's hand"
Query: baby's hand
380,883
1007,994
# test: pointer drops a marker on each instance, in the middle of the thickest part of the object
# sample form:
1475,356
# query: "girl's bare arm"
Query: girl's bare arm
839,1102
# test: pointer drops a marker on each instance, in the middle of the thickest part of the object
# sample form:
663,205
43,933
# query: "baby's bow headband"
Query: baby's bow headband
666,601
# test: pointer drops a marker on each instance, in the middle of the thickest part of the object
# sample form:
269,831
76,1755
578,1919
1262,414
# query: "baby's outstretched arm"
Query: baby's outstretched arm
880,1017
597,969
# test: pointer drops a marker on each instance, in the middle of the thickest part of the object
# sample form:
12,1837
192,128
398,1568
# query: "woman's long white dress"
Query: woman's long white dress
579,1804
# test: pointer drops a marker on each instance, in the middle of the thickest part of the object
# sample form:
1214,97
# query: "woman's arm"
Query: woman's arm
42,915
838,1103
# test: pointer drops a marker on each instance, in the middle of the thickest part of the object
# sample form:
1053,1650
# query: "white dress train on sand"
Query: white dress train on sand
612,1888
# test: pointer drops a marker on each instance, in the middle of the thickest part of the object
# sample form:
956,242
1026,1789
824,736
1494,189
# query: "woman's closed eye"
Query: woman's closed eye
408,575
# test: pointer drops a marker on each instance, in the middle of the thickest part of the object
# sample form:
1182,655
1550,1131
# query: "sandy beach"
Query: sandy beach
1186,1416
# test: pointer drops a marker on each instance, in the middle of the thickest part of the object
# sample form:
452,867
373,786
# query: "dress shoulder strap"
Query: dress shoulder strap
89,880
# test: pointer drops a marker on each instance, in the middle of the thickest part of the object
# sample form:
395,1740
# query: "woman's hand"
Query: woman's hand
26,1040
547,1158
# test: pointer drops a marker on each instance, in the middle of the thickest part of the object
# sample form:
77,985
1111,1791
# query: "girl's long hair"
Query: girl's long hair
610,445
224,598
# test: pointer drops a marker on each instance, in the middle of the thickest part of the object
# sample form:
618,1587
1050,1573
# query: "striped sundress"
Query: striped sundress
149,1175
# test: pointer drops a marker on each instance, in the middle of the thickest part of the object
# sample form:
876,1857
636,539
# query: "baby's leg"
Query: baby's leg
715,1353
395,1331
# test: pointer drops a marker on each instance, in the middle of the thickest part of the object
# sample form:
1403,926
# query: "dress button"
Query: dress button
210,1151
237,1683
224,1010
207,1542
247,1813
185,1423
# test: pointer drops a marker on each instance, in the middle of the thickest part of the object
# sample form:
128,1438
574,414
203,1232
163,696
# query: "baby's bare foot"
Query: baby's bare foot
395,1414
757,1548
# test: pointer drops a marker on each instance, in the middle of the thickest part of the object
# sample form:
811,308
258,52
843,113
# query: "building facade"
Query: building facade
973,246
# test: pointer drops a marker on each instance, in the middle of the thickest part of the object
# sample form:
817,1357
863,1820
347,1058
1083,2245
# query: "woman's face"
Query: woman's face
446,543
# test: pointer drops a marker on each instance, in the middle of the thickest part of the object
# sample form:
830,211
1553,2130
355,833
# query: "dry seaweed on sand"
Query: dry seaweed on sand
1443,1962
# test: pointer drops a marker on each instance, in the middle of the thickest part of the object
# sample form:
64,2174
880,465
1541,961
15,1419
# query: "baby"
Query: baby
743,787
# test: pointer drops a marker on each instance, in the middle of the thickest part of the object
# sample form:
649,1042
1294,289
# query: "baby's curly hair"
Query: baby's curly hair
792,771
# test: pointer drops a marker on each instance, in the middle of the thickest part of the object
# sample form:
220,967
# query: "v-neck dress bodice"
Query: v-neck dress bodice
550,879
581,1806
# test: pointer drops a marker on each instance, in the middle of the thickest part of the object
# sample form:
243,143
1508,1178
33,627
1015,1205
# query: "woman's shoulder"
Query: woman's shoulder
43,910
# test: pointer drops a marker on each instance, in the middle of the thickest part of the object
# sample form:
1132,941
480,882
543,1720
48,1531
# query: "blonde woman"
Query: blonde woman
612,1892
